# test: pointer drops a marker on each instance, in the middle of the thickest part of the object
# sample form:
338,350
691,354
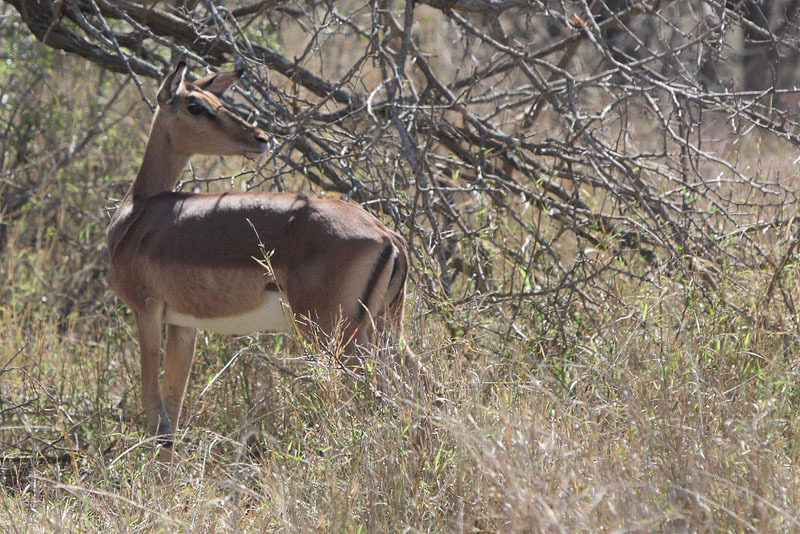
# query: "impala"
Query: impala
198,260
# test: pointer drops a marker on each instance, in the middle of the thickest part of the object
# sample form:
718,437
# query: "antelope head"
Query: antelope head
196,121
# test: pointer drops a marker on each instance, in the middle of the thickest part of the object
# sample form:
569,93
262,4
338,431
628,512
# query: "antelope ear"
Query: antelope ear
219,83
172,84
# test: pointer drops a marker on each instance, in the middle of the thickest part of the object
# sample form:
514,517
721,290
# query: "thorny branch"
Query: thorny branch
533,152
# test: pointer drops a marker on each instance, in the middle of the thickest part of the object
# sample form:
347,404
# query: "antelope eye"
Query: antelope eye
194,108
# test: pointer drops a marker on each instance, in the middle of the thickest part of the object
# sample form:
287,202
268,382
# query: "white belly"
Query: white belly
270,317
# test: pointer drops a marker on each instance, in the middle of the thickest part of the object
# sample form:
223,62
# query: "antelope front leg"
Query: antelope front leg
177,366
149,325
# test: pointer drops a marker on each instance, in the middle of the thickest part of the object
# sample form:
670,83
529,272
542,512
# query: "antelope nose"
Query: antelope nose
261,138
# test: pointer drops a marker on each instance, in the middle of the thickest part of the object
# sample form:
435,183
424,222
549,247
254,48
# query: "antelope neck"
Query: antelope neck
161,166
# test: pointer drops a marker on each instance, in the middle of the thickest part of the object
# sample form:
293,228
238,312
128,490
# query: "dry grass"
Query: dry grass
680,423
679,417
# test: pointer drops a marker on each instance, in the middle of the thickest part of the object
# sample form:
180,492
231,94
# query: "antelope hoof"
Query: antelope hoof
164,434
